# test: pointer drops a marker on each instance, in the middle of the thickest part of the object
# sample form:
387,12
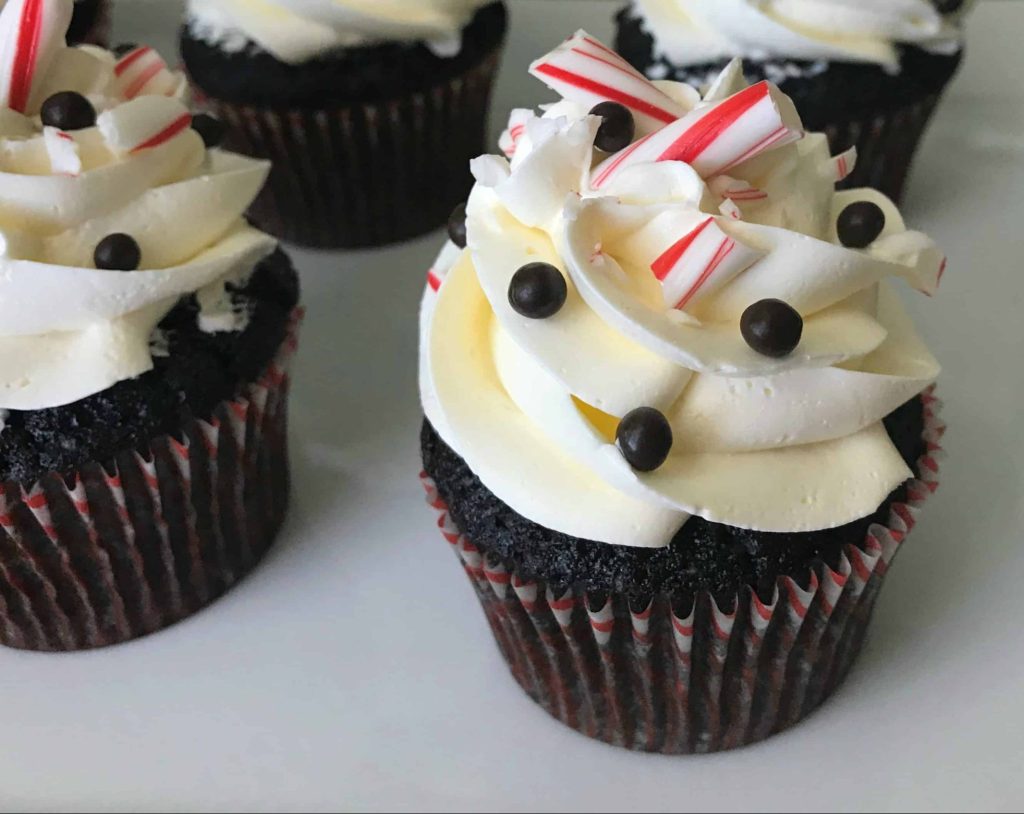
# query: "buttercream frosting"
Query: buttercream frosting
690,32
68,329
779,445
298,30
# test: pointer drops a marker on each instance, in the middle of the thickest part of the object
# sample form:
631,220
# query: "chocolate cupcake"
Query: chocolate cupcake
677,419
145,333
870,76
90,24
369,112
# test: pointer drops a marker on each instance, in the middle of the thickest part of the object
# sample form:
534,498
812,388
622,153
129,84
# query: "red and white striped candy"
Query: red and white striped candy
516,127
716,138
843,164
32,34
143,123
734,189
142,72
700,263
63,151
585,71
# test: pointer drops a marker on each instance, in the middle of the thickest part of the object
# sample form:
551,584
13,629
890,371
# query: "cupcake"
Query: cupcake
370,112
677,419
90,23
869,75
145,332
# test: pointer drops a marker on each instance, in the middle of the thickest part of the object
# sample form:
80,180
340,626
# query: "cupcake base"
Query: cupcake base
365,174
659,678
101,557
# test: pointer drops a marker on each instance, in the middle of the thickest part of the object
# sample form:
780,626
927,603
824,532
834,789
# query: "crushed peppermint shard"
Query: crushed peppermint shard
509,140
844,164
700,263
143,123
585,71
31,35
715,138
142,71
63,151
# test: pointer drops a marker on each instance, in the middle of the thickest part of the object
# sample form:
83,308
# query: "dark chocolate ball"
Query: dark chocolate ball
457,226
617,128
209,128
117,252
124,48
860,224
949,6
772,328
68,110
644,438
537,291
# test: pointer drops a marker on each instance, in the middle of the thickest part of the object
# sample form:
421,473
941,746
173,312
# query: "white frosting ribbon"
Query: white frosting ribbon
68,329
656,282
298,30
691,32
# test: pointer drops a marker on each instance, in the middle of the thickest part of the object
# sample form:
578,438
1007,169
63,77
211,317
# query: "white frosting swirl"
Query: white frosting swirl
68,329
298,30
790,445
690,32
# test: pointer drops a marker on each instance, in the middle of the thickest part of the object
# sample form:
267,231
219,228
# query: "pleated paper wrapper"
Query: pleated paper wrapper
365,174
107,555
648,679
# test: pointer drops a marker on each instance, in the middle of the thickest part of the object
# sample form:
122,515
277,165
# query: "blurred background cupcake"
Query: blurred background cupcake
678,421
867,73
369,109
145,333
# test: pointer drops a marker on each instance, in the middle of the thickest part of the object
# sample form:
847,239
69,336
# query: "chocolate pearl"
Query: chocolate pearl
209,128
537,291
644,438
124,49
772,328
68,110
117,252
860,224
457,226
618,128
949,6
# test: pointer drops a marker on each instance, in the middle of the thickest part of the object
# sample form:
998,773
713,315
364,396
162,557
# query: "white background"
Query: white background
354,670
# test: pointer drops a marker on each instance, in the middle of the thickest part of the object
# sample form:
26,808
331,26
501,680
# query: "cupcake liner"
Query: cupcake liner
365,174
650,679
100,557
886,144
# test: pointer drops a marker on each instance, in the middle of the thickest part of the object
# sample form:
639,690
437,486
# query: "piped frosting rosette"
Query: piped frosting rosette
93,146
705,208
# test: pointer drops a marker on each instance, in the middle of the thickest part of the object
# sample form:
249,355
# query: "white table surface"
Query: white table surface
354,669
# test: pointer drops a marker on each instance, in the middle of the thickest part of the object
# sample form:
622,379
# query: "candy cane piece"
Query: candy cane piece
844,164
63,151
701,263
509,140
715,138
144,123
585,71
734,189
31,35
142,71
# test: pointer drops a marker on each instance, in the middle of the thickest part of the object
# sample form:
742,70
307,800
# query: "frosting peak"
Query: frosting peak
67,328
663,246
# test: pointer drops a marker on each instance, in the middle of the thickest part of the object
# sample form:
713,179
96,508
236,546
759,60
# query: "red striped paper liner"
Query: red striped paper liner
886,145
365,174
650,680
103,556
